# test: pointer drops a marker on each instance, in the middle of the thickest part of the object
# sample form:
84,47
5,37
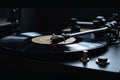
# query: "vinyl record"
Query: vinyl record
42,45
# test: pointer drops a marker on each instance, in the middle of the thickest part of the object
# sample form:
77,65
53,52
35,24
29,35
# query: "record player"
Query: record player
79,36
82,44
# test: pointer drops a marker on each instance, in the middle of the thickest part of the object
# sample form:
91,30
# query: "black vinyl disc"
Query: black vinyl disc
78,44
64,51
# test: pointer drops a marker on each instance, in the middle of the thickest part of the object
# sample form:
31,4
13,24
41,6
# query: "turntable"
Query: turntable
87,47
72,40
76,38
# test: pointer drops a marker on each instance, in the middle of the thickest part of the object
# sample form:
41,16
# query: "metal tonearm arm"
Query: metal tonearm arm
59,38
109,27
88,31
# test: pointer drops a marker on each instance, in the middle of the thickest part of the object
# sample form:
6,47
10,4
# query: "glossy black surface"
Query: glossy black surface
113,55
18,45
65,65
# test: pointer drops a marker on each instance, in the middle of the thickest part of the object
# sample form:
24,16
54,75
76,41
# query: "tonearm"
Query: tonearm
111,29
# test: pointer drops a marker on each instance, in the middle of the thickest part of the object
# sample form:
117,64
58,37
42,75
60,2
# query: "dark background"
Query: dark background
55,19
